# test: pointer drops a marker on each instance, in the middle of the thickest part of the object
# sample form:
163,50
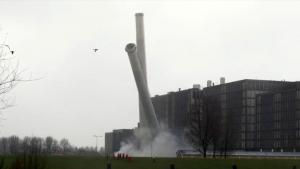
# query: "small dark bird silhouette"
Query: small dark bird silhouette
11,51
95,50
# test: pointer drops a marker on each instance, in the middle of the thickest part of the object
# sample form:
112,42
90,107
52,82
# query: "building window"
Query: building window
251,111
277,97
298,114
243,119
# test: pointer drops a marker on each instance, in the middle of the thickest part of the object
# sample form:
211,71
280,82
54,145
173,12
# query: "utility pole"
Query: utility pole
96,136
151,150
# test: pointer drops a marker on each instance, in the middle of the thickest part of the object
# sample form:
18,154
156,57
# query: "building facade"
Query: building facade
254,114
114,140
172,109
278,118
247,109
238,108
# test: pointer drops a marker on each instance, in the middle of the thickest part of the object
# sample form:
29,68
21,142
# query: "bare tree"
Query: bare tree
14,144
10,74
36,145
49,144
213,112
227,139
4,145
203,130
55,147
32,147
26,145
102,151
65,145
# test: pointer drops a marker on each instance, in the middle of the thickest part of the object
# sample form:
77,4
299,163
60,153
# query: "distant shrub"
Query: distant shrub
2,163
28,162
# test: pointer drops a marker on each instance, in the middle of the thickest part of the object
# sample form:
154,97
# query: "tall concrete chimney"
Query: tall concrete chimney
222,80
140,40
141,53
140,80
209,82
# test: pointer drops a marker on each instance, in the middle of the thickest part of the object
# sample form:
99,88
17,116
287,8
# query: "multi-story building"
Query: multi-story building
114,139
238,104
172,109
258,114
278,118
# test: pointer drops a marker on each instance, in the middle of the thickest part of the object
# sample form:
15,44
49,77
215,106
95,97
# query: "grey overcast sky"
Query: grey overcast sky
83,93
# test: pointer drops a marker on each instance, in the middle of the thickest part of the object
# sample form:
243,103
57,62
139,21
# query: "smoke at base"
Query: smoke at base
164,144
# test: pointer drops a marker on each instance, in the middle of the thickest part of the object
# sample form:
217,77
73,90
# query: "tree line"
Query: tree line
210,130
13,145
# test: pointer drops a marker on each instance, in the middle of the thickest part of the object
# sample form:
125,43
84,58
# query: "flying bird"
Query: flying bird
95,50
11,51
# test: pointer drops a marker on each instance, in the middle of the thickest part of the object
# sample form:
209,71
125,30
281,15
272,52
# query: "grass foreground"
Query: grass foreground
84,162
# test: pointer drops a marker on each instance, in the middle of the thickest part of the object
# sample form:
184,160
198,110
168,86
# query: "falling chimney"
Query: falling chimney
209,83
222,80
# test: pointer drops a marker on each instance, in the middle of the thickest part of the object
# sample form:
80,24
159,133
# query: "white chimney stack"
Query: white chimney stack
209,82
222,80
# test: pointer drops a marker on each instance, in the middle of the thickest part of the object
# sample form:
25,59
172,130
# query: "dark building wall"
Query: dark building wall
238,105
278,116
260,114
119,136
114,139
179,109
173,108
161,107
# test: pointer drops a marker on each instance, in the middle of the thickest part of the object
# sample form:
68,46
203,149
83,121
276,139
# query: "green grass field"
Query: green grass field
72,162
